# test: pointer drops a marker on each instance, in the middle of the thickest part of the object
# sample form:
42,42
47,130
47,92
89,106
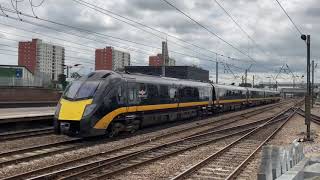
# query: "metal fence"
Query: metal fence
12,81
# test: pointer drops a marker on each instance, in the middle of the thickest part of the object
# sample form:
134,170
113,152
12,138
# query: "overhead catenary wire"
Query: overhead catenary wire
239,26
25,21
69,46
210,31
294,24
113,37
69,58
117,16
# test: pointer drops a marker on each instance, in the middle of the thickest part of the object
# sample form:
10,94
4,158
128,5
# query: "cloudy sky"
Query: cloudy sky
120,23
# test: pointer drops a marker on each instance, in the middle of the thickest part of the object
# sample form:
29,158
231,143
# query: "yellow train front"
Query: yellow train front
85,103
107,102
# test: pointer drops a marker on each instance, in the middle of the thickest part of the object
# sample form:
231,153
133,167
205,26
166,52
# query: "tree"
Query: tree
62,80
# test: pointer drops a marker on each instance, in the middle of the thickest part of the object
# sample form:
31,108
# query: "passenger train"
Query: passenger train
107,102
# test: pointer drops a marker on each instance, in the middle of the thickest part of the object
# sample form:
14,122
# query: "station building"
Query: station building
14,75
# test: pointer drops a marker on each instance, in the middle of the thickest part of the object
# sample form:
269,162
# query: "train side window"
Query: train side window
153,94
186,94
173,94
164,94
131,94
201,93
119,91
196,94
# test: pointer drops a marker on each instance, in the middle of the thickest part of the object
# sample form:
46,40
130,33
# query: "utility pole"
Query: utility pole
163,67
252,81
307,99
312,86
165,57
67,71
217,71
246,75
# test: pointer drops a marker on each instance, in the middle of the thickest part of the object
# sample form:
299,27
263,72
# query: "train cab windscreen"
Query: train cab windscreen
81,89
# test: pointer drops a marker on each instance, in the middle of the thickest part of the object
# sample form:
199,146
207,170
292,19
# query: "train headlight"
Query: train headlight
56,113
89,108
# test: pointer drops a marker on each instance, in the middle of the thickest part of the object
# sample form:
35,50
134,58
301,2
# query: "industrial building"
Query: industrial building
181,72
111,59
42,58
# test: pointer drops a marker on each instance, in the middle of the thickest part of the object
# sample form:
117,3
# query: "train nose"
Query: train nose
64,127
73,110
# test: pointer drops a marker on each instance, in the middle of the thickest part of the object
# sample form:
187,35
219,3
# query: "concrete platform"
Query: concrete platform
22,104
8,115
312,171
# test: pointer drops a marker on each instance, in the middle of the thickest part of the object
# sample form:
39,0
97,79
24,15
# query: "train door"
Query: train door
213,95
132,94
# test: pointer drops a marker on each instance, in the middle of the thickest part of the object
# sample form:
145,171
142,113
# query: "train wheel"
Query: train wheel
114,129
135,126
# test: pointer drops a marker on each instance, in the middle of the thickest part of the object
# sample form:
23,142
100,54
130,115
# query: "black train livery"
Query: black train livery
107,102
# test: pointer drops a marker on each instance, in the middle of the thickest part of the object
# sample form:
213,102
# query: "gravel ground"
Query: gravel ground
23,167
32,141
294,129
170,167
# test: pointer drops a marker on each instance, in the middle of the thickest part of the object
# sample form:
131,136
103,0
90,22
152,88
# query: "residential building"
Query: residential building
158,61
111,59
42,58
163,57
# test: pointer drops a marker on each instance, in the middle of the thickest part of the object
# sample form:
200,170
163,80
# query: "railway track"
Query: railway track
228,161
117,161
35,152
28,154
111,164
314,118
23,134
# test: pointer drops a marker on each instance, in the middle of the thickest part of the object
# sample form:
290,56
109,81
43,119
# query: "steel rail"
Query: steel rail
269,107
229,146
22,134
102,163
117,171
241,166
314,118
10,158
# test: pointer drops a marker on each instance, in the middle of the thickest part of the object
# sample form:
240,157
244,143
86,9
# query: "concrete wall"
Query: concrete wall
9,94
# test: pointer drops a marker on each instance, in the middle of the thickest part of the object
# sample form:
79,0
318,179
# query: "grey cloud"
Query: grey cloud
263,20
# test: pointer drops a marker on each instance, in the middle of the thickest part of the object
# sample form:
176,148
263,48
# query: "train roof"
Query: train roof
229,87
256,89
163,80
272,91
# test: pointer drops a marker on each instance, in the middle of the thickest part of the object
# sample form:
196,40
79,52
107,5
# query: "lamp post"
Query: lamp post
306,38
268,77
68,67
